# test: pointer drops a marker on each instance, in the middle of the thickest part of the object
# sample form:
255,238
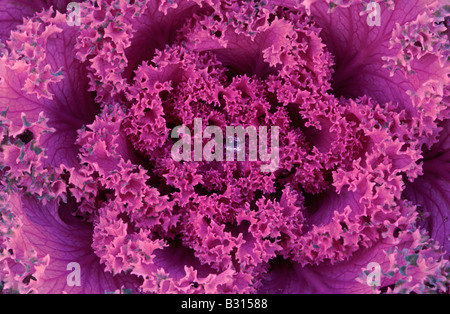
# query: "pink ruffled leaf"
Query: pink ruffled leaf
50,80
58,239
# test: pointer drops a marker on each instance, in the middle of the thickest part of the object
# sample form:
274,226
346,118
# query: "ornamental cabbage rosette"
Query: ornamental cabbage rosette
92,199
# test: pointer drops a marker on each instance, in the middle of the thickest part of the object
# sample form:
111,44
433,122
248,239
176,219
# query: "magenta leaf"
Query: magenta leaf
350,98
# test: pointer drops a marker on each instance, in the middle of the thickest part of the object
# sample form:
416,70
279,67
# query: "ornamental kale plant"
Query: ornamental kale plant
91,200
